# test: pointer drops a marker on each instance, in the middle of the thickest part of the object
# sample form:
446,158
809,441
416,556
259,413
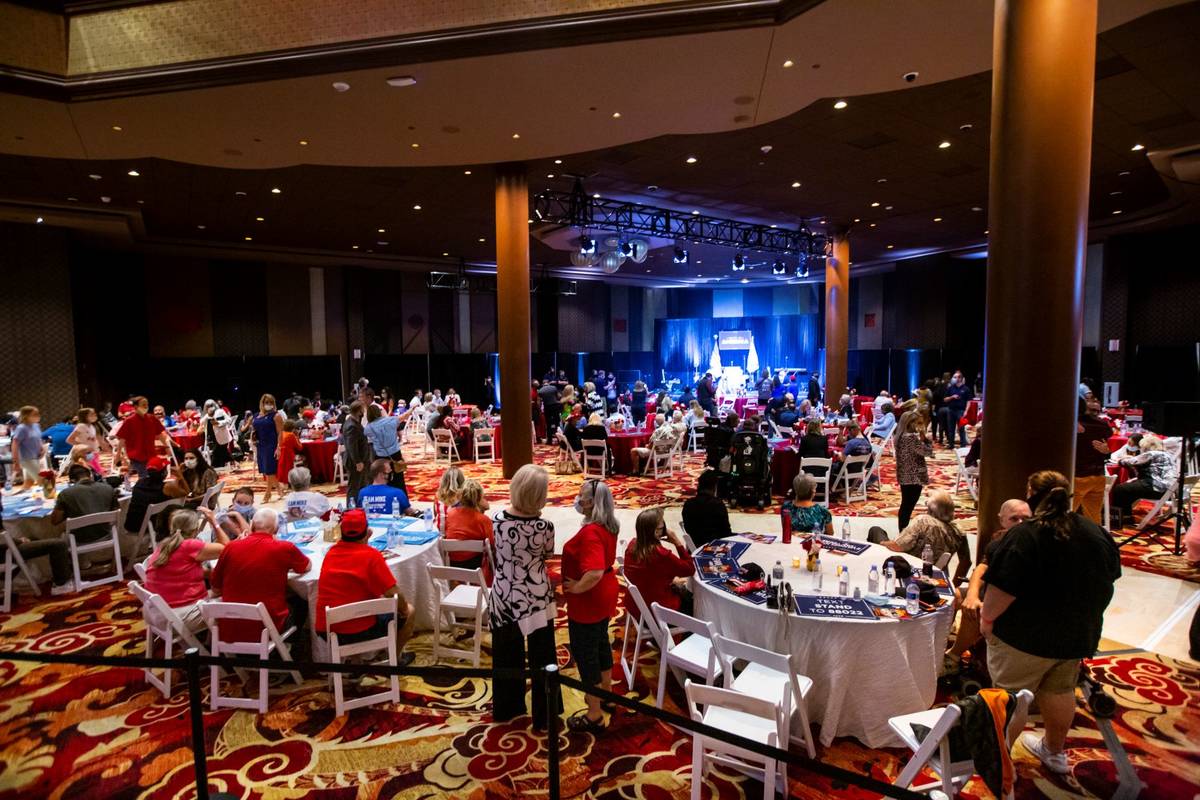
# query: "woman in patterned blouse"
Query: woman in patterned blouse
911,472
522,597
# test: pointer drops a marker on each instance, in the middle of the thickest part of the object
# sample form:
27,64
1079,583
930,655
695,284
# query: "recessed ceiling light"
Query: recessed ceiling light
824,221
890,246
596,196
239,194
789,64
276,190
840,104
201,227
353,247
694,212
73,199
745,280
95,177
417,207
259,219
881,180
976,208
856,219
888,208
944,145
558,161
1122,173
617,115
445,254
550,175
39,220
382,244
341,86
774,226
401,81
249,238
691,159
383,230
874,205
1137,147
466,172
1118,211
795,184
872,224
415,145
105,199
141,202
985,233
516,136
117,128
966,126
1114,194
304,142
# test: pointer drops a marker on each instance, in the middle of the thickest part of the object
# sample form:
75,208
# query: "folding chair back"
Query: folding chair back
468,598
593,459
770,676
164,625
13,563
852,475
696,436
147,534
693,654
742,715
484,444
644,629
445,450
366,609
111,543
821,480
270,640
212,495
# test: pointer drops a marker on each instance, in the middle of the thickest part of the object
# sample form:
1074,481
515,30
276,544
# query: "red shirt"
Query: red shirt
181,580
351,572
254,569
467,524
591,549
653,577
139,434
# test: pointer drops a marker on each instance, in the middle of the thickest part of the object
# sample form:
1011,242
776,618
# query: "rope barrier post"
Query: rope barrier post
196,712
552,690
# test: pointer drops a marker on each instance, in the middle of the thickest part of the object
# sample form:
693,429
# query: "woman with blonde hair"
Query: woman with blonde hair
465,521
449,487
1157,472
267,431
522,606
86,436
175,570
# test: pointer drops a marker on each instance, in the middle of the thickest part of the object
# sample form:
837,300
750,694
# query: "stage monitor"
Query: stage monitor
734,340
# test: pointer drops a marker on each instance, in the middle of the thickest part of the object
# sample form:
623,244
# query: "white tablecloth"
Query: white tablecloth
863,672
411,577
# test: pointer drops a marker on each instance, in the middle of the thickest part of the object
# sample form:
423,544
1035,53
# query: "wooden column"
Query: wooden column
1044,60
512,314
837,318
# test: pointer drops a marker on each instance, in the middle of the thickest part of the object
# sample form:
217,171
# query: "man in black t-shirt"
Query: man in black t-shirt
705,517
551,409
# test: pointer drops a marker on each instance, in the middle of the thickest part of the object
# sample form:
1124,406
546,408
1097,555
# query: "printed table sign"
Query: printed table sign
844,545
833,606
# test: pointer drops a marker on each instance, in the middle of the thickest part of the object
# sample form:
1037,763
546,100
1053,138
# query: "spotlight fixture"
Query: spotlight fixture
681,256
778,268
133,173
626,249
1137,147
738,263
693,159
943,145
840,104
259,219
516,136
587,245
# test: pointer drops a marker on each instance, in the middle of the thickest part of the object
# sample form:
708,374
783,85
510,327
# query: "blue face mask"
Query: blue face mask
242,509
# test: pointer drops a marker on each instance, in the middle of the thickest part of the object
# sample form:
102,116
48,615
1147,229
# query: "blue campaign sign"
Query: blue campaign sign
844,545
833,606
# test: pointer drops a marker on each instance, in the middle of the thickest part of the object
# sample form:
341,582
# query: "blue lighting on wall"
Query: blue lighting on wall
914,368
579,369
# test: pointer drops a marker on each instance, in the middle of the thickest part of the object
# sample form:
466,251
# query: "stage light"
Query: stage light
626,249
681,256
587,245
739,262
778,268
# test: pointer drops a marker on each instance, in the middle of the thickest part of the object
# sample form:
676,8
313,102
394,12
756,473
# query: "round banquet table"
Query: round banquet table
188,440
319,454
409,569
971,414
622,444
1116,442
785,463
863,671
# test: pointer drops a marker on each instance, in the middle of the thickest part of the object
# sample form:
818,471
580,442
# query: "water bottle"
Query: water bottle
913,598
873,580
817,530
428,517
846,529
8,480
816,576
927,559
777,572
844,581
889,580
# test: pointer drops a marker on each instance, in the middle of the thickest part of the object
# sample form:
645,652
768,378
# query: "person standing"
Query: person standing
814,390
215,424
955,405
522,606
139,434
590,588
85,435
28,450
268,429
551,409
1049,582
912,474
765,388
1091,458
706,394
357,452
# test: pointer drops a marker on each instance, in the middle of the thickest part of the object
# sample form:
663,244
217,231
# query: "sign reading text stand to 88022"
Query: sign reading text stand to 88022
830,606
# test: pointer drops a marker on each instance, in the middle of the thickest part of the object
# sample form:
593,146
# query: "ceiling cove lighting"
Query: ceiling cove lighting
400,81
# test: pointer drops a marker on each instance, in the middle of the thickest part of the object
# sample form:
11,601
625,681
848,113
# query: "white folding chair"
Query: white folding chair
339,467
485,445
163,625
821,481
662,459
146,534
212,495
565,454
772,677
741,715
448,546
687,540
644,629
445,451
692,654
592,459
468,599
785,432
365,609
110,543
853,474
962,476
877,451
1165,503
13,563
935,750
270,640
678,451
1106,514
696,437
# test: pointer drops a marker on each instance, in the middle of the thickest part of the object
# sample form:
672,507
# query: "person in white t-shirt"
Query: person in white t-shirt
877,407
303,503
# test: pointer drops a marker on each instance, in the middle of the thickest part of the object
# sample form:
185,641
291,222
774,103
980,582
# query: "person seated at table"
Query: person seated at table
161,482
303,502
883,399
289,447
705,517
28,449
1157,470
846,407
805,515
58,552
657,571
381,498
198,478
935,528
595,430
457,432
255,569
452,398
175,570
234,520
1012,513
82,497
813,444
478,421
885,426
353,571
975,449
788,415
661,441
80,454
695,416
854,442
168,420
750,424
465,521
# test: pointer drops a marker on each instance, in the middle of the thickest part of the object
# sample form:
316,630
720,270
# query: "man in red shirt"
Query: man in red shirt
139,434
254,569
354,571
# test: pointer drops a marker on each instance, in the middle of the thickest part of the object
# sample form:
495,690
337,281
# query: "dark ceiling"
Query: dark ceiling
881,148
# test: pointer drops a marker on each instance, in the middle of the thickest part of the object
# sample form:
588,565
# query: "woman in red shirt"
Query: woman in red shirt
654,569
467,522
289,448
590,585
175,571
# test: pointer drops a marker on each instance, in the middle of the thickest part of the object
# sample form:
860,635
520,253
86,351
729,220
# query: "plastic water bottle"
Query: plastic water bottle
844,581
8,480
889,580
428,517
873,580
846,529
816,576
777,572
817,529
927,559
913,598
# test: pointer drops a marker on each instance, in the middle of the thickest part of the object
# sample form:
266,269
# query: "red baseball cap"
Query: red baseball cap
354,521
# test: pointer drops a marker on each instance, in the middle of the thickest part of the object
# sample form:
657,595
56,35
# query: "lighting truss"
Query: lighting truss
577,209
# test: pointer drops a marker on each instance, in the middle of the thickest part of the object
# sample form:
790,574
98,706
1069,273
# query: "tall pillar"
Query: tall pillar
512,314
837,317
1044,60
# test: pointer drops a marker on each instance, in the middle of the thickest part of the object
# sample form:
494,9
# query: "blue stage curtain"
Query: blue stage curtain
685,345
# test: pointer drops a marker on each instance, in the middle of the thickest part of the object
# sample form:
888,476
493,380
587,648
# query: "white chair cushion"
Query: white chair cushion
757,729
767,684
693,652
461,598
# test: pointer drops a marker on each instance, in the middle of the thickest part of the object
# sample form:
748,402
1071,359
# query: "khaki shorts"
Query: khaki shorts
1015,670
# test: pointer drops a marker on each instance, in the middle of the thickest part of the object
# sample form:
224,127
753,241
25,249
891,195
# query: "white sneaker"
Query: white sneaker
1055,762
65,588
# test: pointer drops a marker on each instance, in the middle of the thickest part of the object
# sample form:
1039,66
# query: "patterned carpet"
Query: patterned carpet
77,732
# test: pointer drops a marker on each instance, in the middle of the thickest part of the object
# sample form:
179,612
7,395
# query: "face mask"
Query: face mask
268,408
190,463
578,506
242,509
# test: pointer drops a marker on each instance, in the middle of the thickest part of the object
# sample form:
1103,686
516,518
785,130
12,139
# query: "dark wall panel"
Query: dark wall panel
239,324
289,310
178,307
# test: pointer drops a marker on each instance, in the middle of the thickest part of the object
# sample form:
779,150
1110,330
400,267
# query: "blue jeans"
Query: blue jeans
137,467
950,418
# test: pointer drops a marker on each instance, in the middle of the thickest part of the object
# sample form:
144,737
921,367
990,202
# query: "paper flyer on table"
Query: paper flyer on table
759,538
833,606
844,545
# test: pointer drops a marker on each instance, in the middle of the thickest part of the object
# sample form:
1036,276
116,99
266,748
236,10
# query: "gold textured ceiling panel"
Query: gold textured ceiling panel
196,30
42,43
